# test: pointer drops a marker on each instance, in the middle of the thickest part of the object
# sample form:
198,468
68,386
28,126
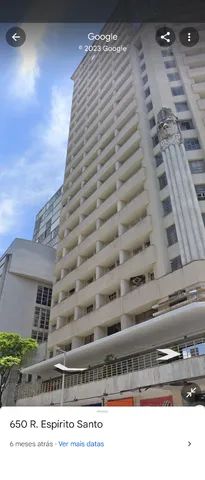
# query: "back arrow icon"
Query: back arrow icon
168,354
15,37
189,443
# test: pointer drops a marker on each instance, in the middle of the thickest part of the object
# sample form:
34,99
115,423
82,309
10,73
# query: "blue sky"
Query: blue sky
35,100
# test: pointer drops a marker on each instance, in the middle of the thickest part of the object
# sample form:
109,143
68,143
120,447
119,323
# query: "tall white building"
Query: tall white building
130,272
47,221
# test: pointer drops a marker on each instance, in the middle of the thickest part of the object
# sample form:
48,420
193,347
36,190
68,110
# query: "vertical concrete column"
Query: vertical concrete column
77,312
80,239
79,260
99,300
99,271
62,273
66,232
59,322
99,246
124,287
120,205
99,223
61,297
81,218
78,285
126,321
99,332
119,183
99,202
117,165
185,205
123,256
116,148
121,229
77,342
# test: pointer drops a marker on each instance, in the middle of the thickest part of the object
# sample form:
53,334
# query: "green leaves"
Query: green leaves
8,362
12,344
13,349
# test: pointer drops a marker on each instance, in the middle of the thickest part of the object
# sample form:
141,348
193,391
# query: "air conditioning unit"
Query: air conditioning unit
138,280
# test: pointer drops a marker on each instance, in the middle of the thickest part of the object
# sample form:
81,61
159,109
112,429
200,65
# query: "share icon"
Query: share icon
165,36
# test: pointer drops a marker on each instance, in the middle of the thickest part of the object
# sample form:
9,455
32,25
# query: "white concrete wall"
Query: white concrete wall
30,265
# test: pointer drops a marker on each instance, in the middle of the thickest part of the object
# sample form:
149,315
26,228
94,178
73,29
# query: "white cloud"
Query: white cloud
26,69
7,214
35,176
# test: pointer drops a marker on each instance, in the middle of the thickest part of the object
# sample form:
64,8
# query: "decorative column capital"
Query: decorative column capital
168,128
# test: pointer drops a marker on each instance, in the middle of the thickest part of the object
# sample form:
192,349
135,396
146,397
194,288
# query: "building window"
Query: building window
158,159
155,140
145,79
44,295
147,92
171,235
181,106
149,107
170,64
167,52
112,296
89,339
41,317
162,181
152,122
203,217
39,336
167,206
200,191
177,91
191,144
54,233
66,347
176,263
197,166
114,329
90,308
186,125
172,77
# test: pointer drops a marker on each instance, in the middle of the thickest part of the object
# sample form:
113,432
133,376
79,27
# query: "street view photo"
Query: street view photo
102,215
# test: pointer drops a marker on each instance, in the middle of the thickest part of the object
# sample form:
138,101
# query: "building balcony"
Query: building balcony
133,236
140,263
127,214
128,148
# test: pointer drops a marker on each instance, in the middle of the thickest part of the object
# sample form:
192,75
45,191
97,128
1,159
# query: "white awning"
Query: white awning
171,327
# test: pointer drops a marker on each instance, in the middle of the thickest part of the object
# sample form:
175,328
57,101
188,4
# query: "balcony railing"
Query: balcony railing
192,348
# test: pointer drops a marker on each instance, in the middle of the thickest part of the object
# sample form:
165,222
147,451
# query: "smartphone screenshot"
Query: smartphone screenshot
102,239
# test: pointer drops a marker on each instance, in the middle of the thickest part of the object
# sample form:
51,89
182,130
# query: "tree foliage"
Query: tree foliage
13,349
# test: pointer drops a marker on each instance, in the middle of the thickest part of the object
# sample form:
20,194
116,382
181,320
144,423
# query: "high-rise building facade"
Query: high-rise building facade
130,270
47,221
